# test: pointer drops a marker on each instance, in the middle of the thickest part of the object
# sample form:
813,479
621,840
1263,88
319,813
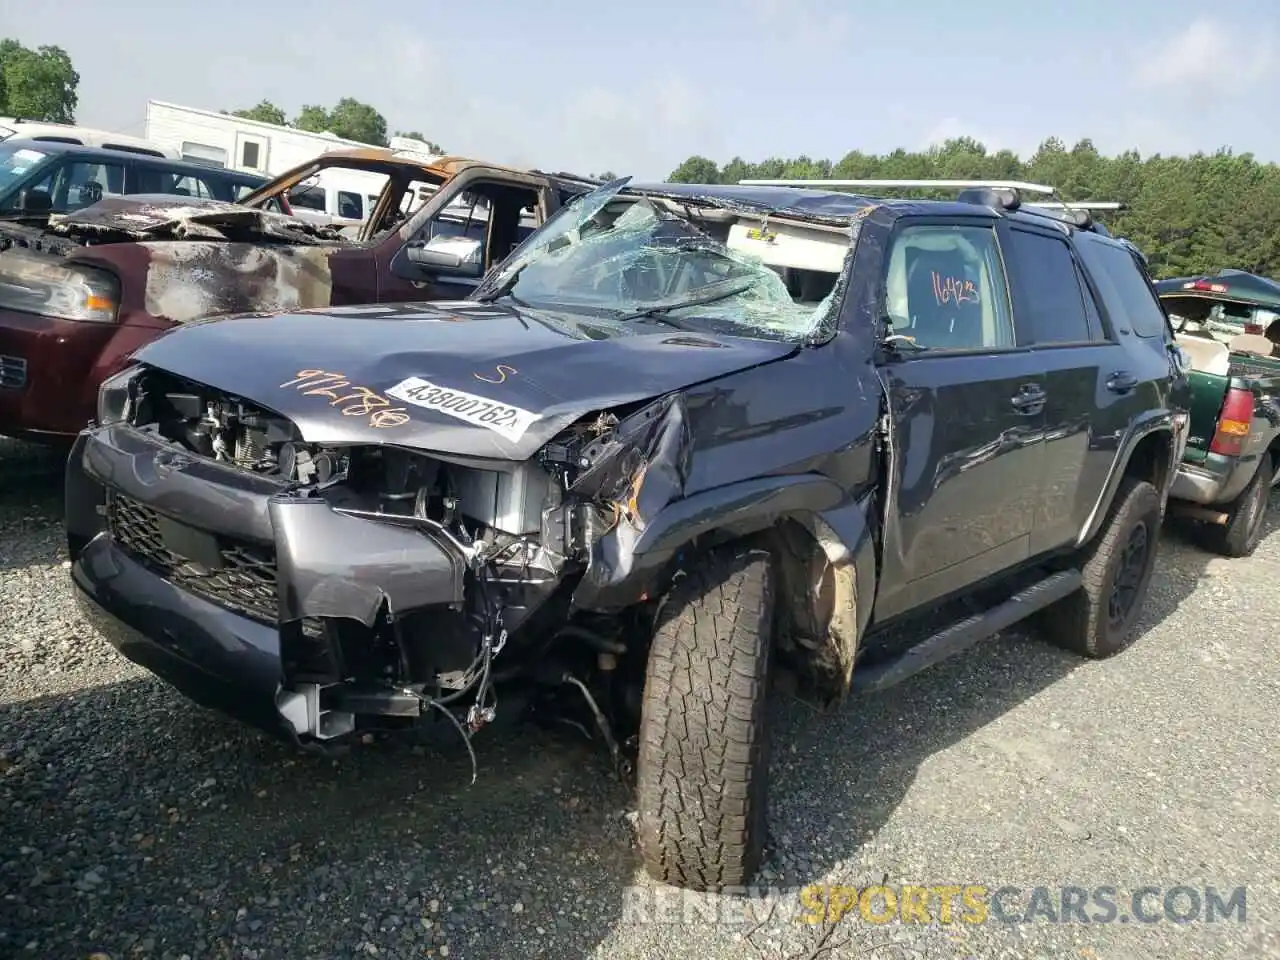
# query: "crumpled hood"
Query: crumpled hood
460,377
164,217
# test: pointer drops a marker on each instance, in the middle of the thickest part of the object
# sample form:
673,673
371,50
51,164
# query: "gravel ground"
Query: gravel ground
135,825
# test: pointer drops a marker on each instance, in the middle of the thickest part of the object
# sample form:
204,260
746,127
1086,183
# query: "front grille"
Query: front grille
13,372
246,583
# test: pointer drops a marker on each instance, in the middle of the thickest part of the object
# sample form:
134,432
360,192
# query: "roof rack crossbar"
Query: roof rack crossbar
918,184
1080,205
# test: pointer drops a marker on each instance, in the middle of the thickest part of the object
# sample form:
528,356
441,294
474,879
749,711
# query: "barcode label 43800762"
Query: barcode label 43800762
502,418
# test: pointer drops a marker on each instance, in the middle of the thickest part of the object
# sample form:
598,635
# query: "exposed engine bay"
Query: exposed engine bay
508,514
518,528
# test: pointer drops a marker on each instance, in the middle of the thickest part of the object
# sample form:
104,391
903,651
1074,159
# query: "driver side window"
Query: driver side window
459,229
474,230
945,289
80,183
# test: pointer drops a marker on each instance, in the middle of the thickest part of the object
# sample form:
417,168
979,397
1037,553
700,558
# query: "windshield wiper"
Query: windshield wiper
660,311
502,289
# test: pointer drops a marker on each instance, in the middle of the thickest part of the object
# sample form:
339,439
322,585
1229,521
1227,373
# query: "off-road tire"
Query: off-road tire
1081,622
1246,516
702,770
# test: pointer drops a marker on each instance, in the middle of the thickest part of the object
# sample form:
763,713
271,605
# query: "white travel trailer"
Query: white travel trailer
219,139
267,149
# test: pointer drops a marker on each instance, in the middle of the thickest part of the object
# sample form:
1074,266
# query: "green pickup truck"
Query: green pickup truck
1223,305
1232,455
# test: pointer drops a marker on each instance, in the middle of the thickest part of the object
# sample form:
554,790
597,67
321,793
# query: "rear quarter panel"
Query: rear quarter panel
1259,375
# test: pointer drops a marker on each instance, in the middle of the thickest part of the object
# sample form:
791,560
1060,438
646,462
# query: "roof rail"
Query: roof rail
920,184
978,191
1081,205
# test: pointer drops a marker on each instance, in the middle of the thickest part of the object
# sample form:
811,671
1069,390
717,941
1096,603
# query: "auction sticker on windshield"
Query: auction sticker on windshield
502,418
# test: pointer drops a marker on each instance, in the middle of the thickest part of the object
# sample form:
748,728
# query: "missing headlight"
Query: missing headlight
117,395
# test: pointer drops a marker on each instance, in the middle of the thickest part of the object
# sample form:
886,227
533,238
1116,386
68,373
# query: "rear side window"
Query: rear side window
307,198
349,205
191,187
150,179
1048,302
1123,286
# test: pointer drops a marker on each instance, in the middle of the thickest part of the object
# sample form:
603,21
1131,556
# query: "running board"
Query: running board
965,633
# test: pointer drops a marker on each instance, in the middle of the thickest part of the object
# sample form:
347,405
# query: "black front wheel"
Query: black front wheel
703,763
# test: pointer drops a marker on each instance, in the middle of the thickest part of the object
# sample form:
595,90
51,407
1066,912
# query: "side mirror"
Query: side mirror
35,201
460,256
435,258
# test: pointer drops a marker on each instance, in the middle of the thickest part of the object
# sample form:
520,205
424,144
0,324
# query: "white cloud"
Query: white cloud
1148,134
1206,60
649,130
641,130
802,23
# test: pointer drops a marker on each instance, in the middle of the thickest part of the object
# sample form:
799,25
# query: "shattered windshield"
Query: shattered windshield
639,259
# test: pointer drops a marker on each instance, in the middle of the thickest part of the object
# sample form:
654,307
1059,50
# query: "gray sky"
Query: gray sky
636,88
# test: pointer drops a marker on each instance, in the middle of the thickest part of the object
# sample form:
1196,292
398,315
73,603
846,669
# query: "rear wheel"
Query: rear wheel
703,766
1246,516
1099,620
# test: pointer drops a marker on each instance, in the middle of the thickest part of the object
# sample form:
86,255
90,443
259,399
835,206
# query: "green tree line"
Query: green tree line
1194,214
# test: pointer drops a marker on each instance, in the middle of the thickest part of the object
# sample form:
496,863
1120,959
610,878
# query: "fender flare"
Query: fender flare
623,574
1148,424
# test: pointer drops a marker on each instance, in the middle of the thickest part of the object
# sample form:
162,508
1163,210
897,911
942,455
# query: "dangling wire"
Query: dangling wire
477,676
466,738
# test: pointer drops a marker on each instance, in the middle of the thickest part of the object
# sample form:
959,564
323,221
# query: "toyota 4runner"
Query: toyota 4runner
682,436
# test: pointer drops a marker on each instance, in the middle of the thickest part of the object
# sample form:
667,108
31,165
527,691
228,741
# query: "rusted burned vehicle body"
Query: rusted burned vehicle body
80,292
683,434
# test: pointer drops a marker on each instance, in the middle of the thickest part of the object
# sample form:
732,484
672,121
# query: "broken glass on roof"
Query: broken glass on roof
651,257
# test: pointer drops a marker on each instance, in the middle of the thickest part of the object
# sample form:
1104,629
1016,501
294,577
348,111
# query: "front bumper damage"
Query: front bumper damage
386,587
218,580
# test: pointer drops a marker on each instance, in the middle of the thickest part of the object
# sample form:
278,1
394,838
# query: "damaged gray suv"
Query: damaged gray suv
682,438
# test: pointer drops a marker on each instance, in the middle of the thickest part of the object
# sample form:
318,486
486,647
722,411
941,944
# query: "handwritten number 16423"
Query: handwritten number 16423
954,289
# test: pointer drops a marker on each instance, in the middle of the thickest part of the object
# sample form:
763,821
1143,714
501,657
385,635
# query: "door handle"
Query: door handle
1121,381
1029,399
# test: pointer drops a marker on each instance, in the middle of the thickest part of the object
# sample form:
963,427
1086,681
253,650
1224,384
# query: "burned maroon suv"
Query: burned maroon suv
81,291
